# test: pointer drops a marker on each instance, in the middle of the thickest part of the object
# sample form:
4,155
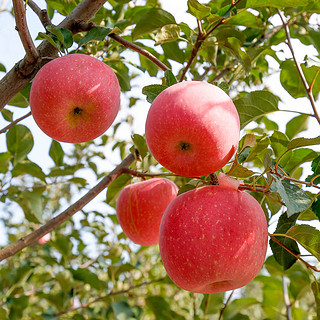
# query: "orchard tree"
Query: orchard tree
66,255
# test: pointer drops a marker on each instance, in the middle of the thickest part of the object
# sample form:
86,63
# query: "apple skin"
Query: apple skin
213,239
140,207
44,239
192,128
75,98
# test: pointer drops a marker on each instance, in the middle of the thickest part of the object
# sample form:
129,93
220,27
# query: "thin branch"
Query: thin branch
41,13
32,54
286,298
112,293
225,305
299,69
14,122
68,213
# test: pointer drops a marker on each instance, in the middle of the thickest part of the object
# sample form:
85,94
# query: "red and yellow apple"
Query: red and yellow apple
140,207
213,239
75,98
192,128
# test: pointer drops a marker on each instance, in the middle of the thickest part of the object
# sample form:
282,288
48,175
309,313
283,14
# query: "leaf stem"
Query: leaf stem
3,130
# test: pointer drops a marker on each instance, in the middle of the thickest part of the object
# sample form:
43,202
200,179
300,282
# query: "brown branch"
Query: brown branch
32,54
20,75
68,213
41,13
299,69
112,293
14,122
225,305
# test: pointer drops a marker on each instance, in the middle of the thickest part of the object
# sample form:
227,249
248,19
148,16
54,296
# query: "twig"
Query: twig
41,13
15,122
32,54
286,298
112,293
225,305
300,72
68,213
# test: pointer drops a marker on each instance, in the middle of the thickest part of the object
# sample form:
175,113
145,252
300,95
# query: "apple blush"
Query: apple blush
192,128
140,207
75,98
213,239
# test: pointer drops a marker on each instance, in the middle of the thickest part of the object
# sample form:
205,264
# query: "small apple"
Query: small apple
213,239
140,207
75,98
44,239
192,128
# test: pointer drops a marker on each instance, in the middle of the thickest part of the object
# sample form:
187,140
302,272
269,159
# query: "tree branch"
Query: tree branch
68,213
14,122
41,13
301,74
32,54
16,79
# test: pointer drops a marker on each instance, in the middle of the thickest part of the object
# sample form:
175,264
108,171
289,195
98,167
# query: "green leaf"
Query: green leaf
95,34
295,199
297,125
116,186
169,77
316,291
19,142
282,256
31,203
315,165
4,161
122,311
240,171
28,167
254,105
275,3
172,51
225,12
152,91
303,142
168,33
86,276
56,153
212,303
7,115
155,18
246,19
54,41
2,68
21,99
63,35
279,142
140,143
237,305
316,208
161,308
198,10
308,237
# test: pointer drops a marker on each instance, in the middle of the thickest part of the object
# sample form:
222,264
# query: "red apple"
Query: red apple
213,239
44,239
75,98
140,207
192,128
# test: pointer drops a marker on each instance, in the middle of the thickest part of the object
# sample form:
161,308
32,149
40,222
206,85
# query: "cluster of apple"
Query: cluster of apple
212,238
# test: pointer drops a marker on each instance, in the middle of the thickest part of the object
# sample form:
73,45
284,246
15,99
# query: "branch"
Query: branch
32,54
17,78
68,213
301,74
112,293
286,298
15,122
225,305
41,13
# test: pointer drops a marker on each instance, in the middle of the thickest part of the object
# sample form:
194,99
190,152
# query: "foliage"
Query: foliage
89,270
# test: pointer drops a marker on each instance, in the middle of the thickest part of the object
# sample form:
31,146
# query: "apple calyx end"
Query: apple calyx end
77,111
184,146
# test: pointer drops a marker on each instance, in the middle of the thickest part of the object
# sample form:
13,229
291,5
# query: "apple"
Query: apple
213,239
75,98
140,207
44,239
192,128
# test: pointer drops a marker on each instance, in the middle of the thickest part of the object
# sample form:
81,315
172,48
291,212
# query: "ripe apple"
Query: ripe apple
213,239
140,207
75,98
44,239
192,128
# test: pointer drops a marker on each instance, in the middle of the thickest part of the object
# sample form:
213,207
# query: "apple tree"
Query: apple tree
63,253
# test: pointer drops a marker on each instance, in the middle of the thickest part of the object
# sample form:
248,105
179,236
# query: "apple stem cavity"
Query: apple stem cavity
184,146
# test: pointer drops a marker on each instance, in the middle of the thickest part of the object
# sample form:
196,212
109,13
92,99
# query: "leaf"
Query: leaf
295,199
316,208
254,105
303,142
28,167
4,161
31,203
116,186
64,36
56,153
152,91
168,33
240,171
315,165
155,18
308,237
2,68
50,39
198,10
279,142
122,311
282,256
246,19
19,142
21,99
212,303
88,277
141,144
237,305
173,51
95,34
169,77
161,308
7,115
275,3
243,155
315,286
297,125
